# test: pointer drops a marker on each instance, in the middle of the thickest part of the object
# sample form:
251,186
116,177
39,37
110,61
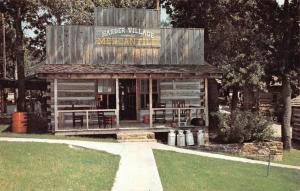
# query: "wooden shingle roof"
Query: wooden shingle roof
88,71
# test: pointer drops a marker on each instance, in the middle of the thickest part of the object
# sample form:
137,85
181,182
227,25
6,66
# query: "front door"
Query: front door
127,89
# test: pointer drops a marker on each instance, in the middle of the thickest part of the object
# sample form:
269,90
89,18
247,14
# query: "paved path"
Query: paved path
137,170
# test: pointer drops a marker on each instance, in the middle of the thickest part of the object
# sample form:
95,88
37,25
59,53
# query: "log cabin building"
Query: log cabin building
125,73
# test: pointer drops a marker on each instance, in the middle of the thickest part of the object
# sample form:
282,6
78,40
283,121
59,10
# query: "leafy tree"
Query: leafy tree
19,11
232,39
286,55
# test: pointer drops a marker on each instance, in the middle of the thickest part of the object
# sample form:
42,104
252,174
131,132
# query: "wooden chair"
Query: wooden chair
160,114
76,118
100,116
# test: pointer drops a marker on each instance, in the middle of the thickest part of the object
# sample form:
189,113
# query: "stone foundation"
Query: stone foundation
259,150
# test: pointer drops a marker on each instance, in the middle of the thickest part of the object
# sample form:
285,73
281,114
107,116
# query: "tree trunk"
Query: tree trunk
20,61
213,102
287,112
235,99
248,98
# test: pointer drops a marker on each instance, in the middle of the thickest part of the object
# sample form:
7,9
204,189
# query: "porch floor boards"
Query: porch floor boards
125,126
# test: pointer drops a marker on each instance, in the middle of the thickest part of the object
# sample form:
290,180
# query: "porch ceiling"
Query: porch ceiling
108,71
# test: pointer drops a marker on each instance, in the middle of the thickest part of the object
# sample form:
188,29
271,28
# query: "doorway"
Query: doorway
127,89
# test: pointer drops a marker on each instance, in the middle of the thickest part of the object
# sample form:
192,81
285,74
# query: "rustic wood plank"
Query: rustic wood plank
185,55
156,52
197,47
51,43
174,47
149,56
191,46
118,55
168,47
143,56
162,55
180,46
59,45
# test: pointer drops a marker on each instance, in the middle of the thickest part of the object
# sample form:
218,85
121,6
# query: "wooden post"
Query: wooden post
150,104
117,104
178,110
87,119
138,99
55,106
157,5
206,103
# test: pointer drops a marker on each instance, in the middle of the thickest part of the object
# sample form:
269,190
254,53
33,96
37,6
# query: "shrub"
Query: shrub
243,126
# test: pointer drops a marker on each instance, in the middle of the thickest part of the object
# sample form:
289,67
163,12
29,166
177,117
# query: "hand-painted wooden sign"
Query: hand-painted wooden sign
127,36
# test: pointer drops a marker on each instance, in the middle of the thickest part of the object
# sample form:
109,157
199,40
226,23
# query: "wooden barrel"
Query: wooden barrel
19,122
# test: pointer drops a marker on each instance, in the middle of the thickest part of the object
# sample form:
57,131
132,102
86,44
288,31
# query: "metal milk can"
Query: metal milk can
200,137
171,138
189,137
180,139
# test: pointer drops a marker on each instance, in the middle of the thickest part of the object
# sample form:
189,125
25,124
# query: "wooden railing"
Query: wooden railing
60,114
179,109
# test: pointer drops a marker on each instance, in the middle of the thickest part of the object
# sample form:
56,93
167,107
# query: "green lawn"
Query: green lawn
42,166
189,172
5,133
291,158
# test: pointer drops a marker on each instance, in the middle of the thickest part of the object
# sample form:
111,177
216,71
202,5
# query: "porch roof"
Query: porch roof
107,71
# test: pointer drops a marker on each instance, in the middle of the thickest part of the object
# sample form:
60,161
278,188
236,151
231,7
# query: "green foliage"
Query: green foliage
243,126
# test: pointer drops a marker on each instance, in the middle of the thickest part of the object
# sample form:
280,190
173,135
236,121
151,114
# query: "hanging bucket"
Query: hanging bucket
19,122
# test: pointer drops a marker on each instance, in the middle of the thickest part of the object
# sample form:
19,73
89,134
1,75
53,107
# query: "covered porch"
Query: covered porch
107,99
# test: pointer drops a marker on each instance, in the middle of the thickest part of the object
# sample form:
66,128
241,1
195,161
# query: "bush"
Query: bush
243,126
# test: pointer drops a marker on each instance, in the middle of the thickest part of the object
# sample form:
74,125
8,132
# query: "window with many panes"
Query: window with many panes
106,93
145,93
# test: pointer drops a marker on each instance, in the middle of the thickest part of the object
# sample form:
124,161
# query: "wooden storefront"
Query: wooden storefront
131,67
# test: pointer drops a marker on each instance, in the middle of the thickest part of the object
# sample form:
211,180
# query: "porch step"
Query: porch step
136,137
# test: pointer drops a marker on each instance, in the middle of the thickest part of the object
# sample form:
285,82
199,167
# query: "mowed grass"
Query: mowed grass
5,133
42,166
291,158
189,172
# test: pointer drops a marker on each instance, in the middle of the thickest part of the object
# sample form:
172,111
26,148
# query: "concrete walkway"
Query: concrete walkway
137,170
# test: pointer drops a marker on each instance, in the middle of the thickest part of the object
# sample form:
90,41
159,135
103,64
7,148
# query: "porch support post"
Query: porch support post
206,102
55,106
150,104
117,104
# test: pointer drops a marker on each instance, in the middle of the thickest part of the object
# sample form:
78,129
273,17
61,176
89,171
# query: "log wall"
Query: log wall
81,93
191,91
